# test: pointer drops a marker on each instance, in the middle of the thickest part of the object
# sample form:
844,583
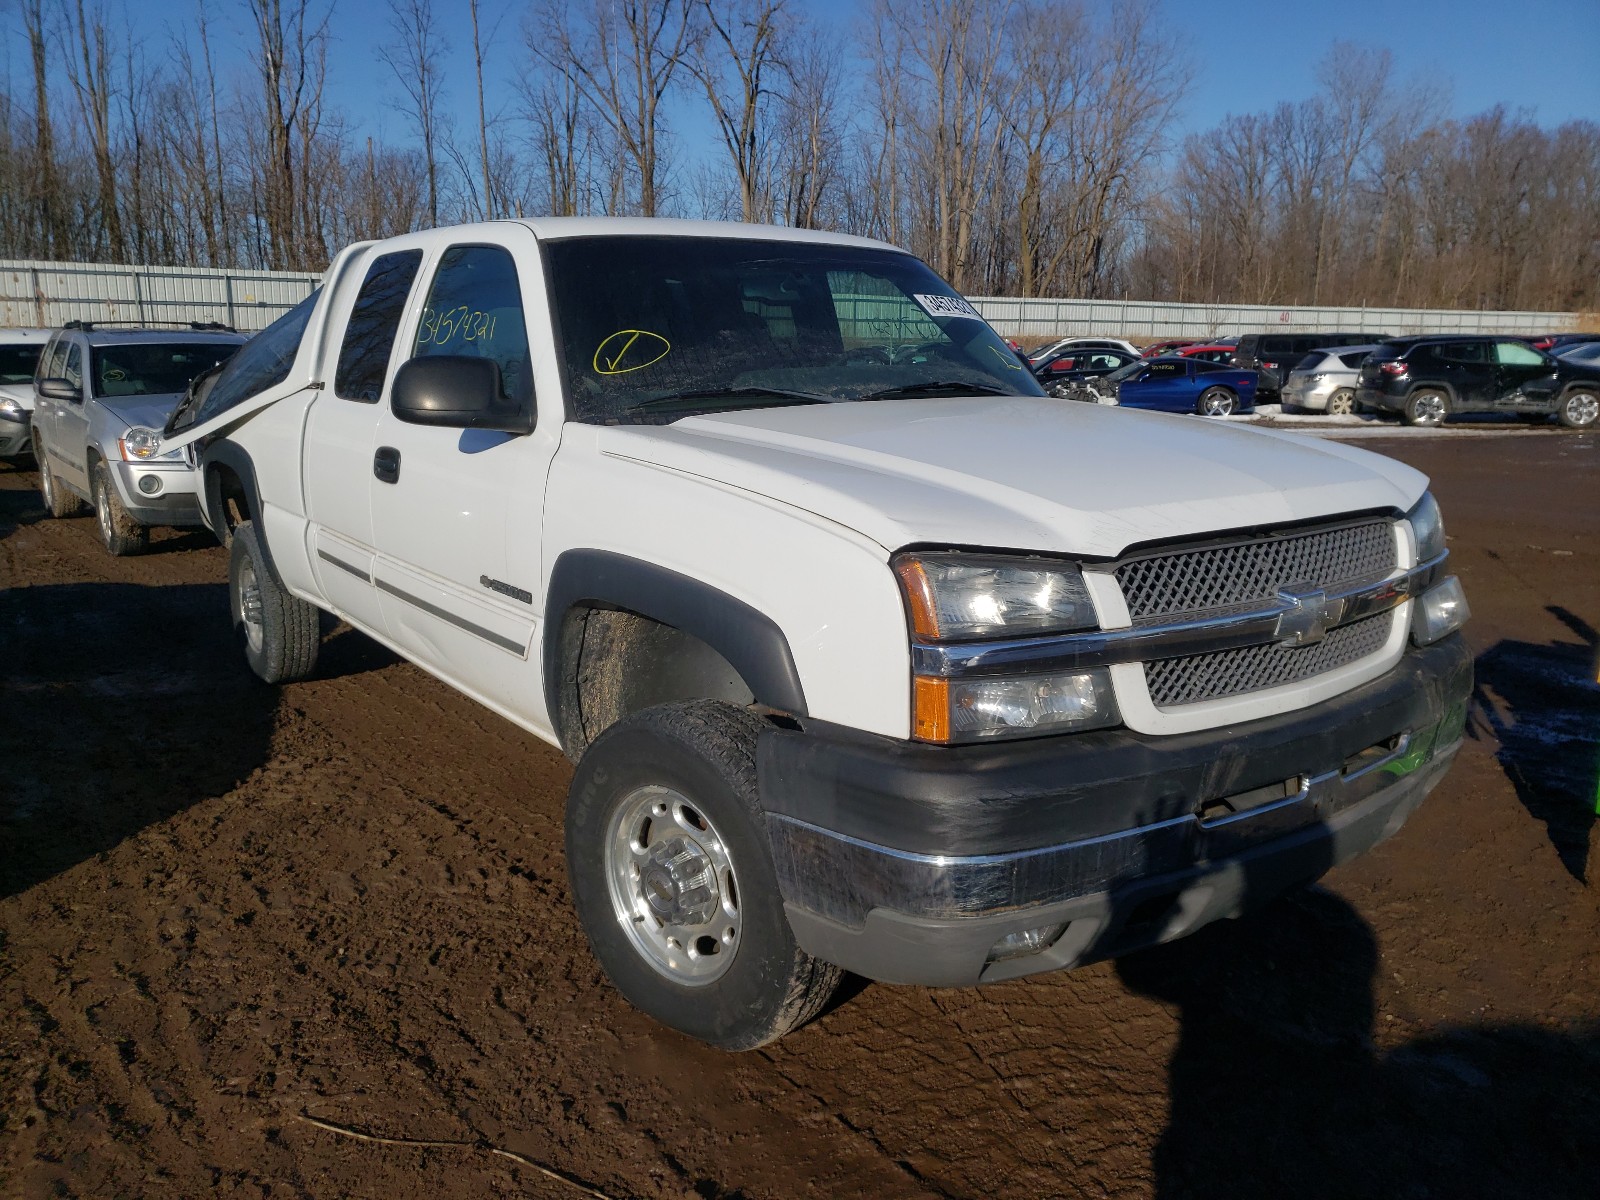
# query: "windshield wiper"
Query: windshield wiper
722,393
932,387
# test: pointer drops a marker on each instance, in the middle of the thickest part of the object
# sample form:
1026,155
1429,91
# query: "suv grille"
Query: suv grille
1175,681
1216,578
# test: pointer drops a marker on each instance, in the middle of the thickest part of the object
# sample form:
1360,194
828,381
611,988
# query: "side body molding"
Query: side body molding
750,640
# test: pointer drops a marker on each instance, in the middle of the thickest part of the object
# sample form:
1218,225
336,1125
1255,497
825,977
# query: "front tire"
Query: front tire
1580,408
1217,402
1428,408
58,502
119,533
673,879
279,631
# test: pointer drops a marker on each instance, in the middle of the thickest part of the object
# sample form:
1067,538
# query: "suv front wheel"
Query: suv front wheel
1428,407
120,534
672,876
1580,408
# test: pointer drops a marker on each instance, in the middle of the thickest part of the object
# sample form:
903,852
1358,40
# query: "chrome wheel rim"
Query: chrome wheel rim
1428,410
1583,408
1342,403
249,614
47,485
102,513
1220,405
672,886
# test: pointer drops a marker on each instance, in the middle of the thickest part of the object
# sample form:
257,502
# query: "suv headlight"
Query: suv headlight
140,443
971,597
956,597
1427,527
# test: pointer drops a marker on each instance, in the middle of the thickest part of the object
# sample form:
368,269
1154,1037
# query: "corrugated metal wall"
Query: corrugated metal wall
49,294
1036,320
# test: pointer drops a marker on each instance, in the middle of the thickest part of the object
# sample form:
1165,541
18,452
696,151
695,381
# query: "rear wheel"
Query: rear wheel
1342,402
58,502
279,630
1580,408
120,534
1428,407
673,879
1217,402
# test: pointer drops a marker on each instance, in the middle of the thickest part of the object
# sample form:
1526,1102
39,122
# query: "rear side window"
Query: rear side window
374,320
1387,352
262,362
1462,352
1310,362
474,309
1273,346
1353,359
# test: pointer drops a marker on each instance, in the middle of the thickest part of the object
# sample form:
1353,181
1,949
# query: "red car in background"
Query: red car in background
1217,352
1170,346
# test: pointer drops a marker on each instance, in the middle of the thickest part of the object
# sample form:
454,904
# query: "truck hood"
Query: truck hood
1021,473
148,411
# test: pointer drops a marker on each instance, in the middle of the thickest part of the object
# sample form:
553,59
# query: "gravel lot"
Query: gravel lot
241,926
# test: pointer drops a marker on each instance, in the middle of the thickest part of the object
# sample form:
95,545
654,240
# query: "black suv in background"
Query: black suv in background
1273,355
1425,379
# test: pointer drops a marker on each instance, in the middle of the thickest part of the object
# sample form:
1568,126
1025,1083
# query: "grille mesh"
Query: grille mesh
1221,577
1175,681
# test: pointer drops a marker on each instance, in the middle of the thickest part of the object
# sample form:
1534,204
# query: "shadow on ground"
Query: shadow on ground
122,705
1541,705
1277,1088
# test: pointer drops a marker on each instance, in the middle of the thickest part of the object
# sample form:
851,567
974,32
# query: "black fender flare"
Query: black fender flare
223,453
750,640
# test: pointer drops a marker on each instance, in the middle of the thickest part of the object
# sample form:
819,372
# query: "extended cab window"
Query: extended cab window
474,309
262,362
374,319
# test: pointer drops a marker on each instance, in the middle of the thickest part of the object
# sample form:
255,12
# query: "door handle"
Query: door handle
386,464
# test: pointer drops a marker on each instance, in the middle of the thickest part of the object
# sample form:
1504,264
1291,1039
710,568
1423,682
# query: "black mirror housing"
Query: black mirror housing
457,392
60,389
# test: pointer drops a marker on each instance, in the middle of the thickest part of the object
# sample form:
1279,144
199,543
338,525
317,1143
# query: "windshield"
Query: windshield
153,368
17,361
653,329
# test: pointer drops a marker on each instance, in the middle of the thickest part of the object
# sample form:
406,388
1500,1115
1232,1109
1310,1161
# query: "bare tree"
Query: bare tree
414,57
89,68
809,147
735,63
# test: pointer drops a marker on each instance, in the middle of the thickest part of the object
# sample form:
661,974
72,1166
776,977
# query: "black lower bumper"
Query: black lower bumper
909,864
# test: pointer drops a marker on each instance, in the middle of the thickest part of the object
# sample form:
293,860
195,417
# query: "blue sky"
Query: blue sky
1538,55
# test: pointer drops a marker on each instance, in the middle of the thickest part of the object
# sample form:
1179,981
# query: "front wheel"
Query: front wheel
1580,408
279,630
673,879
120,534
1427,408
1217,402
1342,402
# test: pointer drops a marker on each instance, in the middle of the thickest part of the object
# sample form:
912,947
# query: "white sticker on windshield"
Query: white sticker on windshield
947,306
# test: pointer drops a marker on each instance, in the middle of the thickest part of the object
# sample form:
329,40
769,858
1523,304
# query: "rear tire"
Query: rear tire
1580,408
1342,403
280,632
672,876
58,502
1217,402
119,533
1428,408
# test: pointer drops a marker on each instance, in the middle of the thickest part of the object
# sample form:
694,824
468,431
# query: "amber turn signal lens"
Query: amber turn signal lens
930,718
919,597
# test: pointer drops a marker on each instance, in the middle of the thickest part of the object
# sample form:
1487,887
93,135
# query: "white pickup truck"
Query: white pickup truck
870,656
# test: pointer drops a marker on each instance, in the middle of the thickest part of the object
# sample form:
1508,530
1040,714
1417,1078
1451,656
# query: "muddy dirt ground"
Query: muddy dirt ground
239,924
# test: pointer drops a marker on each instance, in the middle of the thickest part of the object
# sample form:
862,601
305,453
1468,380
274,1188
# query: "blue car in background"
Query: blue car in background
1172,384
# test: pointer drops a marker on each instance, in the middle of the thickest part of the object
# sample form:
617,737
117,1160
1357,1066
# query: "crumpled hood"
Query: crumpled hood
1021,473
149,411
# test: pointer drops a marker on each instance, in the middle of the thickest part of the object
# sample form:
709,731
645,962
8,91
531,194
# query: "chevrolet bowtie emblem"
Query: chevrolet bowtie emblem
1305,618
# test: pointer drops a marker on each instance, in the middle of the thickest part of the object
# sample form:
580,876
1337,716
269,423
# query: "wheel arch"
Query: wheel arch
229,478
714,627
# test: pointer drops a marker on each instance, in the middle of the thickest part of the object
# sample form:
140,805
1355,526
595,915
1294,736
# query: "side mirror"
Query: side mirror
458,392
60,389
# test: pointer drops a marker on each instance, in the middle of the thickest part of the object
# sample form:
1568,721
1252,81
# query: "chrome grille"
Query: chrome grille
1176,681
1211,578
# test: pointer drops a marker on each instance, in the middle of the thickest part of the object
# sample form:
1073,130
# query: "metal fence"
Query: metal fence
48,294
1035,320
51,293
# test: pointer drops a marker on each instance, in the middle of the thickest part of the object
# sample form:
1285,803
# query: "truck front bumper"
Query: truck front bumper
916,864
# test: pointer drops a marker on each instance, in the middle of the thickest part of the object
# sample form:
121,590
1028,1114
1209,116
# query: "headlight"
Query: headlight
1427,526
139,443
972,710
1440,610
954,596
12,409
